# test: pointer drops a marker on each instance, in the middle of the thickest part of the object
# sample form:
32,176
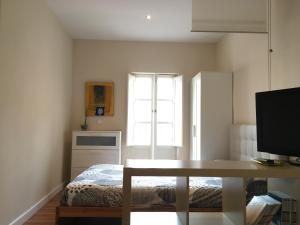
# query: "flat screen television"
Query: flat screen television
278,122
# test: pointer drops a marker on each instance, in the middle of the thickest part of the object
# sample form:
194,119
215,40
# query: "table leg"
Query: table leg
126,197
182,200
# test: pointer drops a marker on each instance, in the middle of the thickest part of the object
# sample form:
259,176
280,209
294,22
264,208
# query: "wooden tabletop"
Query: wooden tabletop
209,168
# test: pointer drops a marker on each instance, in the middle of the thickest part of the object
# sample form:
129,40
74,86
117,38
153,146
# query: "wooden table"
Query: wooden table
234,175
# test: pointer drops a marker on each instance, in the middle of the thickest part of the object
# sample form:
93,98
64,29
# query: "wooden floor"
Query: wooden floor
46,215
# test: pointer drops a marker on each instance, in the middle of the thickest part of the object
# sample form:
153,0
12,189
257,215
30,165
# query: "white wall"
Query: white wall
35,96
246,56
112,61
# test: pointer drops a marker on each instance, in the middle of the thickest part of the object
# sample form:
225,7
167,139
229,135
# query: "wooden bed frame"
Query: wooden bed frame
113,212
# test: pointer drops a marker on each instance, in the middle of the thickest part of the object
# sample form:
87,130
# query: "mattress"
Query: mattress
101,186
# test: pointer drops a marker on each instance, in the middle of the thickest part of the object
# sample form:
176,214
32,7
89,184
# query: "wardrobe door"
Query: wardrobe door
196,118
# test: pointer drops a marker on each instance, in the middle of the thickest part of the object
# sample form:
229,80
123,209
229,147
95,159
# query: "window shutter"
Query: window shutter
178,112
130,105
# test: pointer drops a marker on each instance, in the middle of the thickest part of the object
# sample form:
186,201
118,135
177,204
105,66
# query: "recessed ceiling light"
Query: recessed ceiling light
148,17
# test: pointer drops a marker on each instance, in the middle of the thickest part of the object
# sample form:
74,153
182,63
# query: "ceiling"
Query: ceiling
126,20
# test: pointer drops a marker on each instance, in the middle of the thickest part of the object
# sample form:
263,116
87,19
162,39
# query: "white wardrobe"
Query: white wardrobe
211,115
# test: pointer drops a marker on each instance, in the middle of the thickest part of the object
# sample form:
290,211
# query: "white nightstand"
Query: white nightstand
94,147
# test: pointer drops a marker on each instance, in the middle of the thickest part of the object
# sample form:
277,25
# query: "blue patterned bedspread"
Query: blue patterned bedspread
101,186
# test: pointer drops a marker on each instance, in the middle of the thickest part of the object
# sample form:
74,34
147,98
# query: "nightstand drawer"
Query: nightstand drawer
96,140
84,158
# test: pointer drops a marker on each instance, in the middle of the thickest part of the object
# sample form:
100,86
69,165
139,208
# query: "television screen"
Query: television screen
278,122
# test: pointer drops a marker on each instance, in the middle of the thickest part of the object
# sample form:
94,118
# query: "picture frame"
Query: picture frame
100,98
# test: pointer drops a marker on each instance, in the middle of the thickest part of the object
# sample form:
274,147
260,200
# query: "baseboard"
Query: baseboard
38,205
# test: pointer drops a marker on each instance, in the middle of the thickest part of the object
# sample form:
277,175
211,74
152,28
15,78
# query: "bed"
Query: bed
101,186
97,192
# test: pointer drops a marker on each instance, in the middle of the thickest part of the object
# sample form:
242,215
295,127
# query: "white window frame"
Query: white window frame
177,106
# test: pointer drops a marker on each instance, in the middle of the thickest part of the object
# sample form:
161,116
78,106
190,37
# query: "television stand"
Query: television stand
295,162
269,162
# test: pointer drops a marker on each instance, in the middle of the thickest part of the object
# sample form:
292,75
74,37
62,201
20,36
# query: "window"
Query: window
154,110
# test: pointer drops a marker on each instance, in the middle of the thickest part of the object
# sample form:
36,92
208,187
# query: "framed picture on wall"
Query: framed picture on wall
100,98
